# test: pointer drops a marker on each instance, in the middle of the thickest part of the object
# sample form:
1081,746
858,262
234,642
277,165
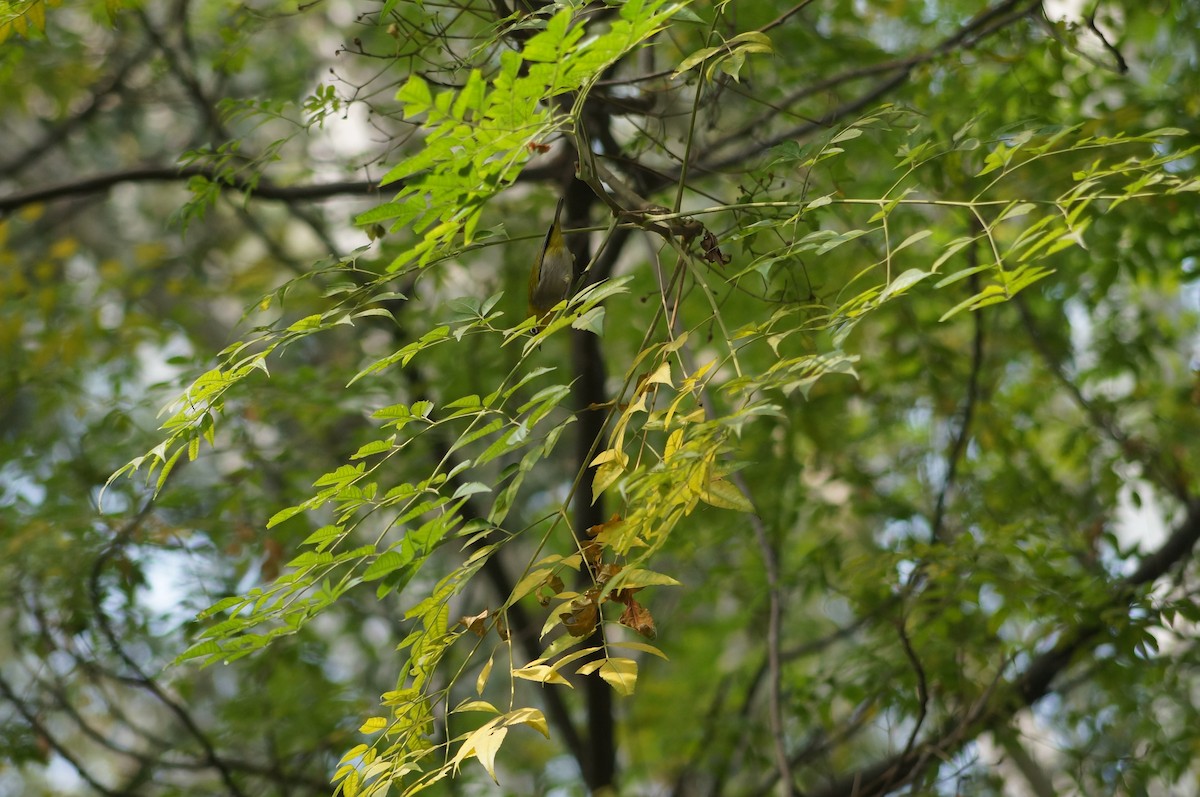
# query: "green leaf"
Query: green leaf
415,95
724,494
903,282
387,563
374,447
634,577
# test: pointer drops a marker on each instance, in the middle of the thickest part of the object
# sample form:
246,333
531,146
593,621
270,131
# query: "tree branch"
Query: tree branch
57,133
774,640
959,446
170,174
109,634
1024,690
589,393
31,717
1132,447
980,27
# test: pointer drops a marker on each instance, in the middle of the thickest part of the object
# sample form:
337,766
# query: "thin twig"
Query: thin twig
922,686
170,174
774,634
959,446
149,684
63,750
1131,447
1023,690
983,25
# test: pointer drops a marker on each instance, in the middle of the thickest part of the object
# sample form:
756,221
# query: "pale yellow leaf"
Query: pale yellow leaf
540,673
621,674
661,375
481,681
607,475
530,717
640,646
487,747
673,444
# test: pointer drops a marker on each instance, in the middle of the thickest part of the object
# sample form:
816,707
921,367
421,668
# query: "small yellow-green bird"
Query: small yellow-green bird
550,280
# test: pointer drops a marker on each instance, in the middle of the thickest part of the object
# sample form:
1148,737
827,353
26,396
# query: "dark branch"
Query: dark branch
1031,685
149,684
167,174
963,433
983,25
587,361
31,717
261,189
58,132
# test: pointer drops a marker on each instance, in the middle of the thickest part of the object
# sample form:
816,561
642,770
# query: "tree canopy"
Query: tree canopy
860,459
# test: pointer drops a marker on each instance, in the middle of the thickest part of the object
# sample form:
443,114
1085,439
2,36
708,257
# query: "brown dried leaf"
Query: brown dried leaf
502,627
637,617
592,551
476,624
605,572
581,618
549,588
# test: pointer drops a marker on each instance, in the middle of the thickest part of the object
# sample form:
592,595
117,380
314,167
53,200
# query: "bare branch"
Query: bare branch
31,717
1132,447
959,446
922,686
1024,690
148,683
774,635
169,174
983,25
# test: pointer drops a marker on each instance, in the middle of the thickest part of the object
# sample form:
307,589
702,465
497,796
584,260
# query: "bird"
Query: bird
550,279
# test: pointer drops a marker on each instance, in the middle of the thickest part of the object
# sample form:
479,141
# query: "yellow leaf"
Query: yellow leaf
373,725
481,681
661,376
675,344
608,472
401,697
531,717
607,455
37,15
484,744
642,646
621,674
673,444
541,673
352,753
